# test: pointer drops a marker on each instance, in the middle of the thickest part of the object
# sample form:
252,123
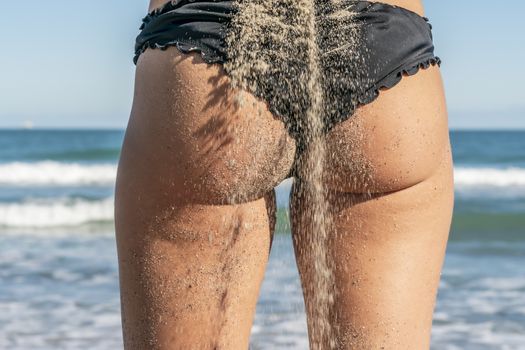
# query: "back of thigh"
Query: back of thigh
390,199
194,205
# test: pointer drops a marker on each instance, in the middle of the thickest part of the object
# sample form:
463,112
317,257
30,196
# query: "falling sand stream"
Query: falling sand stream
287,52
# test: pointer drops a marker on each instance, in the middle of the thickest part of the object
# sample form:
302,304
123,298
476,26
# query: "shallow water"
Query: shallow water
61,292
58,271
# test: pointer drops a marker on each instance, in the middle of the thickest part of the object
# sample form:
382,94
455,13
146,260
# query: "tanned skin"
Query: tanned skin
195,209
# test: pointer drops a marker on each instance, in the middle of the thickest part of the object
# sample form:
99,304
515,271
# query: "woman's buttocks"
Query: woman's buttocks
197,137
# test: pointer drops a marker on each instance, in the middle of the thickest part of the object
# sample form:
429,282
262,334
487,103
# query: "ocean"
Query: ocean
58,267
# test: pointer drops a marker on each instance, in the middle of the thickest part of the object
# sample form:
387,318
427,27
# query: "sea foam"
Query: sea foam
51,173
55,212
505,177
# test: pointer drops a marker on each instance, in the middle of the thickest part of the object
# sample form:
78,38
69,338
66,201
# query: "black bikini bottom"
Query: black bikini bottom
392,41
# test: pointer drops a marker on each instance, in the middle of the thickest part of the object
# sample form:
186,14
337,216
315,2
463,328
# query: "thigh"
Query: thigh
390,199
194,205
190,276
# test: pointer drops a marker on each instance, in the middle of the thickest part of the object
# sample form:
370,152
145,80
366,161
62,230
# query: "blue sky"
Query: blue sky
69,64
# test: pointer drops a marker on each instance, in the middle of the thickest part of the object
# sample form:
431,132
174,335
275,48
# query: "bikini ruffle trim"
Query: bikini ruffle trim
395,77
374,91
207,55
